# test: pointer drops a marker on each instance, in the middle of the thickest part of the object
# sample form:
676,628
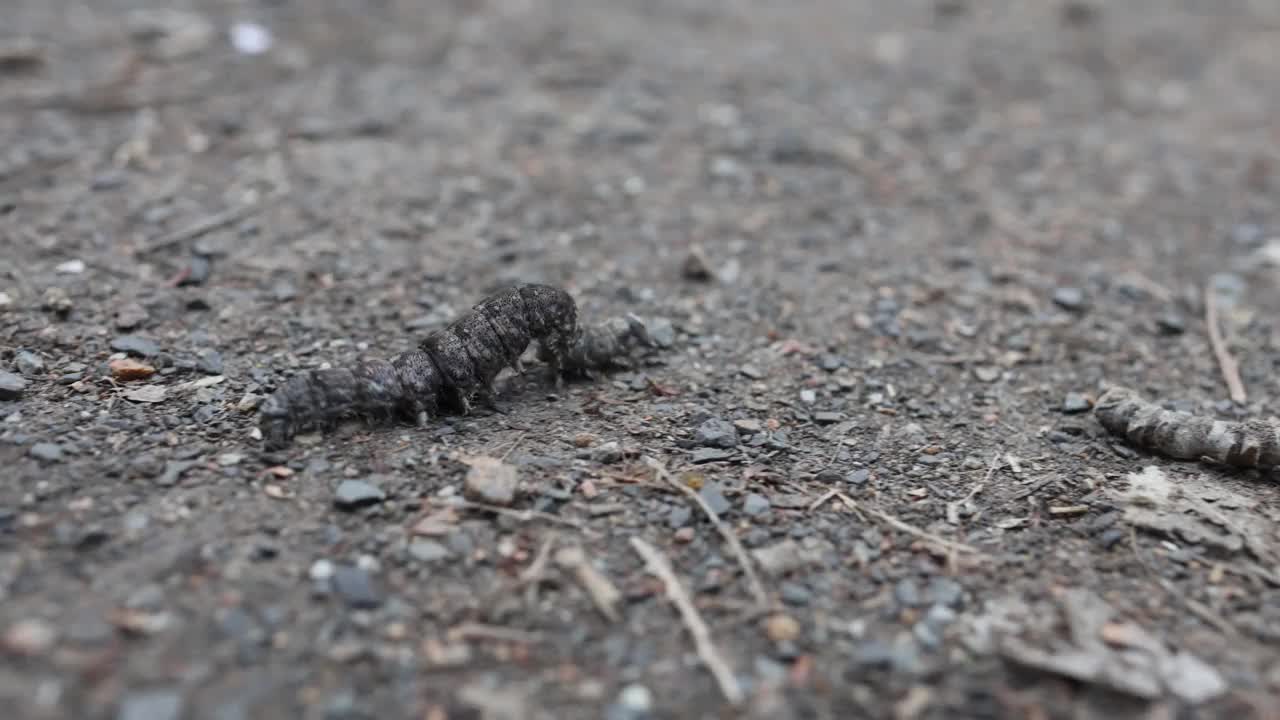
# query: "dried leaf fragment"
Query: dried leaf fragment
147,393
127,369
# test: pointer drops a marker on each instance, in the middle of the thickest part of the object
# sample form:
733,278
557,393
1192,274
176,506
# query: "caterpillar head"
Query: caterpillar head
550,312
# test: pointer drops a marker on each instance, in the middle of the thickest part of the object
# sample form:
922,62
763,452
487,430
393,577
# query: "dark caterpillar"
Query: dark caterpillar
1183,436
452,365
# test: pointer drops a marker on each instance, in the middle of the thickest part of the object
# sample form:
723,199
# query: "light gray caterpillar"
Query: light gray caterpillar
1183,436
453,365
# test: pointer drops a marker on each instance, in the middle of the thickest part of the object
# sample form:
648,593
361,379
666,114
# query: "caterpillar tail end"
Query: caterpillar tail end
276,427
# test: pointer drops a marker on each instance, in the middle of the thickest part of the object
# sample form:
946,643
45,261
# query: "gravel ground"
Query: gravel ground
893,250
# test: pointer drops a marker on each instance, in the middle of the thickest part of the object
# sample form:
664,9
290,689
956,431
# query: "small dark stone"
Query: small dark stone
1076,13
756,505
795,594
157,704
716,433
198,270
1171,324
135,345
11,385
355,586
1109,538
828,477
706,455
353,494
46,451
715,498
858,477
1069,298
1075,403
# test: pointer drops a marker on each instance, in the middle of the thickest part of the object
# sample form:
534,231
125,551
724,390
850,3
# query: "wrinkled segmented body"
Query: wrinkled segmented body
1180,435
449,367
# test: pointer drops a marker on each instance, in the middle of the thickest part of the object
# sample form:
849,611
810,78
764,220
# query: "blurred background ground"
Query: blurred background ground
901,247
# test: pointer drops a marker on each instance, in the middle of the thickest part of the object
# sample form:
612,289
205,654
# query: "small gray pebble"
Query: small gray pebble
858,477
11,385
49,452
1075,403
706,455
158,704
29,363
828,477
795,594
1110,538
662,332
357,493
209,362
946,592
355,586
715,498
907,593
1171,324
716,433
284,291
679,517
135,345
1069,298
428,551
756,505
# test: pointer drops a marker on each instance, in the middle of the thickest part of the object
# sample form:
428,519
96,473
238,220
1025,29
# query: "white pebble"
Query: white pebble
71,267
321,570
250,38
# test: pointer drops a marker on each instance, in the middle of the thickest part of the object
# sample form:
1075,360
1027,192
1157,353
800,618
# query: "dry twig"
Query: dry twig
658,566
735,545
480,631
217,221
949,545
1230,370
603,593
953,508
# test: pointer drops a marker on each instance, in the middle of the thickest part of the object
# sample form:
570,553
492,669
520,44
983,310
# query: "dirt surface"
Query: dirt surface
928,234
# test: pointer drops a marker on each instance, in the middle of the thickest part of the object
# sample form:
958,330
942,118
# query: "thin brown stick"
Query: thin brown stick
894,522
480,631
603,592
953,508
735,545
658,566
514,444
1227,363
